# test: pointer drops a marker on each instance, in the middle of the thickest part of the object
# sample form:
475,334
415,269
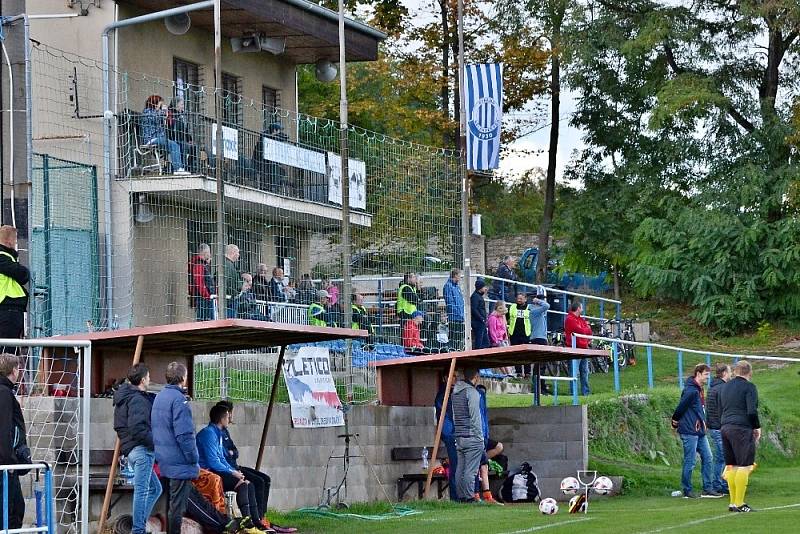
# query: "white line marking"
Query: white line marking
543,527
714,518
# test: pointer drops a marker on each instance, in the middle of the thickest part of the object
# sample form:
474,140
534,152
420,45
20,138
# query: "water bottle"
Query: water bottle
425,464
677,493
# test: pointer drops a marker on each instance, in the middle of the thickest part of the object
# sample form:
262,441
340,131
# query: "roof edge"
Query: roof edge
333,16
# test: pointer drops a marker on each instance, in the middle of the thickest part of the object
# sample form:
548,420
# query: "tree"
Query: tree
691,104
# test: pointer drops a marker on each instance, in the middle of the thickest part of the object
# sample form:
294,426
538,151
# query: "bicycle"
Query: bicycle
606,331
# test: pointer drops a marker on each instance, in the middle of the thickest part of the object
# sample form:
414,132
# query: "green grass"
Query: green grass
770,490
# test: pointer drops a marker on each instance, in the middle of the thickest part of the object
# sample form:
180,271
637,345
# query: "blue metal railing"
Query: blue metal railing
43,524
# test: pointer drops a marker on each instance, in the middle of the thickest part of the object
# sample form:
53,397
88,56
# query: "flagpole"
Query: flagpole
462,130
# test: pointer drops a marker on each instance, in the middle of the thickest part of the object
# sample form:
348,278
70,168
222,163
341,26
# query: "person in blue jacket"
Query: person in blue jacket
174,443
454,302
212,457
448,439
689,420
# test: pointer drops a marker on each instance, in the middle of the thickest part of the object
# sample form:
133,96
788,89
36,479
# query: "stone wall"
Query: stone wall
499,247
552,439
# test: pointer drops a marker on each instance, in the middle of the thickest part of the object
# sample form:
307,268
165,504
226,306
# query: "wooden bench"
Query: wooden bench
98,480
407,481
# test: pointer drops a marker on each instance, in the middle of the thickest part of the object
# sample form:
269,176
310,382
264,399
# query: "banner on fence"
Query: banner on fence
312,390
358,181
484,99
230,142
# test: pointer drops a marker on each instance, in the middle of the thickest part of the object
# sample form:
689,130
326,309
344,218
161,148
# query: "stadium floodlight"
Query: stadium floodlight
325,70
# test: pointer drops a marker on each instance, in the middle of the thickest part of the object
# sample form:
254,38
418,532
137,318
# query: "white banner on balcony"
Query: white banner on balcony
293,155
230,142
312,391
358,181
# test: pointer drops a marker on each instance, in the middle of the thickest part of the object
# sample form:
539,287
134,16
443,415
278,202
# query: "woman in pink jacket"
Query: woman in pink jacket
498,329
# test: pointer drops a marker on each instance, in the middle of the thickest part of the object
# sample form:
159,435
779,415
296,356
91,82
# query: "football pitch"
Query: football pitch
772,493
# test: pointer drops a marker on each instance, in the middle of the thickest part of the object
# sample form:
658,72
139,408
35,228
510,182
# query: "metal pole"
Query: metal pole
650,367
615,352
462,128
218,162
574,375
347,290
86,442
680,369
268,418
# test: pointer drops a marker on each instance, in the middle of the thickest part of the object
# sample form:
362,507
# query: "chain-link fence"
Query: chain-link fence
142,250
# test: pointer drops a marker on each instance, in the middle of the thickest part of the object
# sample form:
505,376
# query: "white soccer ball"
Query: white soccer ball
577,504
548,506
603,485
570,486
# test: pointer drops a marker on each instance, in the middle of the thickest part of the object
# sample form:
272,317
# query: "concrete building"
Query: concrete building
271,222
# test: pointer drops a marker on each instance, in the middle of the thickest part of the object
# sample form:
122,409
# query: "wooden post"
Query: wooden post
272,394
439,425
112,469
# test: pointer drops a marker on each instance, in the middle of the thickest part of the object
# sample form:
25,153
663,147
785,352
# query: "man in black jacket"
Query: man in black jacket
132,406
741,430
13,445
13,295
722,373
477,310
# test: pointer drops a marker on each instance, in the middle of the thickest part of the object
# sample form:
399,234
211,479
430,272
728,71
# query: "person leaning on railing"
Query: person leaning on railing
361,318
318,311
154,132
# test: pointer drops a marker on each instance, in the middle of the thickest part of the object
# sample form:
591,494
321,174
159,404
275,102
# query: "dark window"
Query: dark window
287,254
232,100
187,83
271,102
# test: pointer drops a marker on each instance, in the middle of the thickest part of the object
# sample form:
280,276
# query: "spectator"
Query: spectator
448,438
180,131
505,290
539,307
233,279
261,481
201,284
689,420
246,305
276,286
408,300
361,318
454,302
480,335
174,440
261,282
576,324
212,457
13,443
741,431
520,327
468,431
13,295
318,311
332,289
289,289
132,406
153,124
306,293
498,326
412,341
491,449
714,422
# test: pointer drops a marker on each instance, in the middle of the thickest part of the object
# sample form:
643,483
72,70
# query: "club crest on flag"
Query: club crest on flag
484,107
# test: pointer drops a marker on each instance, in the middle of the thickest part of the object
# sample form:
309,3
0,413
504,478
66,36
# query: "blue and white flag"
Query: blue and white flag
484,97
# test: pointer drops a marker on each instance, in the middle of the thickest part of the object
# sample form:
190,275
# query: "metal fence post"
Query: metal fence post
650,366
680,369
708,360
48,495
602,309
618,317
5,500
555,392
614,352
223,375
574,375
86,445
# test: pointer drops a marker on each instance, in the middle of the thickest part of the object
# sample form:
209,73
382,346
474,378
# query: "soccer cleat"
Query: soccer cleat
744,508
282,530
711,494
732,508
489,498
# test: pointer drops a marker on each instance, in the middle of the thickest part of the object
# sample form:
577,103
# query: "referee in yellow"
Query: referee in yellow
741,431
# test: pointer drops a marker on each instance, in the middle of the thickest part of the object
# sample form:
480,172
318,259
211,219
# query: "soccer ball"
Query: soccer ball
548,506
603,485
570,486
577,504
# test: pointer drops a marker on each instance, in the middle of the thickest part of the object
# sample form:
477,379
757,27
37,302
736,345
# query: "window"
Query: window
232,104
187,83
205,231
287,253
271,102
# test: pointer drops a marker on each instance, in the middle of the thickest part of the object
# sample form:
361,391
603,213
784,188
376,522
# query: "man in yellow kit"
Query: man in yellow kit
741,431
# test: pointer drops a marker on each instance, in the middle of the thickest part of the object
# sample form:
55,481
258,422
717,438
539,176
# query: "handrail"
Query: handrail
50,527
692,351
562,291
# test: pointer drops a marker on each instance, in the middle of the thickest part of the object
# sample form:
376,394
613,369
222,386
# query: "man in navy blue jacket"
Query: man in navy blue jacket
480,336
448,439
212,457
689,420
174,440
454,302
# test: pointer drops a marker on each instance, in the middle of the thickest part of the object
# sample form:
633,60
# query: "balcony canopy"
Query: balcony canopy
311,31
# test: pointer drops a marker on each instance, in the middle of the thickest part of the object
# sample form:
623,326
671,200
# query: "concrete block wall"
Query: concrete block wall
553,439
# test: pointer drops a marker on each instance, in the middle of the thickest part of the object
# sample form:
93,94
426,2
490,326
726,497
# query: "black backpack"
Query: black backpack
521,485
